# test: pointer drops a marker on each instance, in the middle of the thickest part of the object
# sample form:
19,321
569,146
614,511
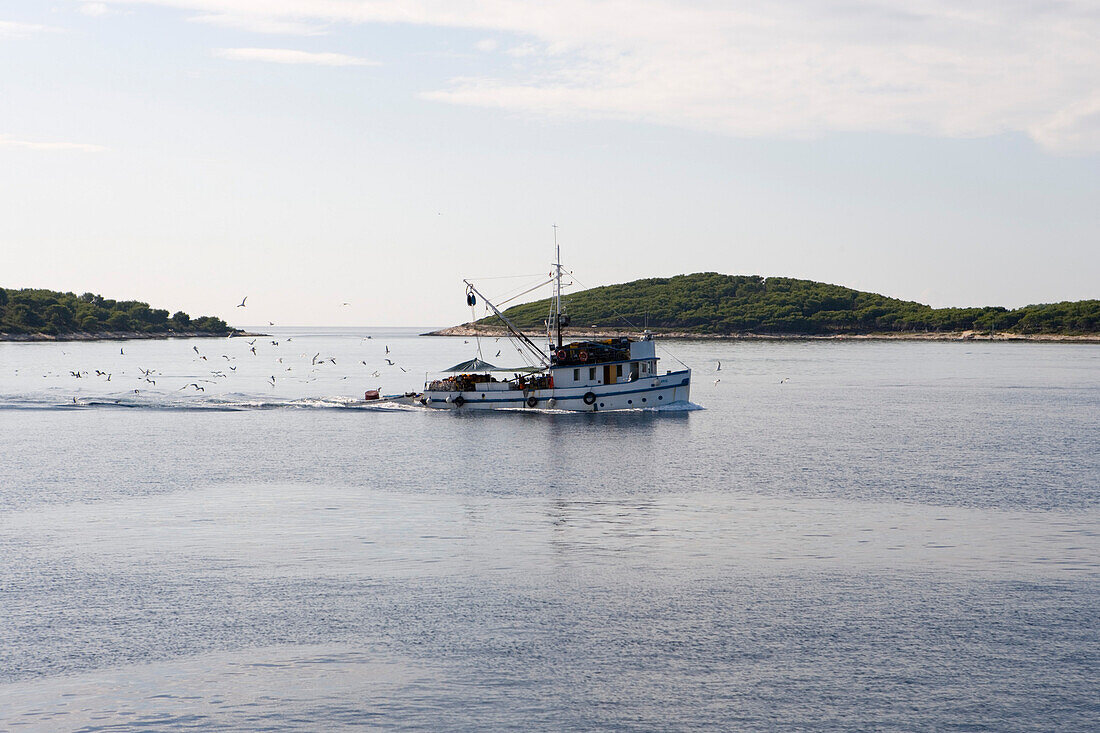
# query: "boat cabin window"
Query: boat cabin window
576,375
591,372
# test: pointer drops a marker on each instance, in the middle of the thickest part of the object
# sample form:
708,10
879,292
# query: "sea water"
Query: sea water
847,536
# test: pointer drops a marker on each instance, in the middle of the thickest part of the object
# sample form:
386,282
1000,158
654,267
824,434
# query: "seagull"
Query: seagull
343,304
270,323
195,349
389,362
274,343
719,367
784,379
203,357
252,342
253,350
387,349
363,363
151,381
75,374
123,353
272,380
716,381
332,360
376,373
498,353
241,304
226,357
313,361
403,369
232,368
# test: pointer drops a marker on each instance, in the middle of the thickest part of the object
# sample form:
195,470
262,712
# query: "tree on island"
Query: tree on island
713,303
32,311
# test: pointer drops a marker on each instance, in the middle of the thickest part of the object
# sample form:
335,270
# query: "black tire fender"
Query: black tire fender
589,398
532,401
459,401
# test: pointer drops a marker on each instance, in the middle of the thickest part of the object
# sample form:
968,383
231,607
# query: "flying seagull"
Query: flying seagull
719,367
241,304
389,362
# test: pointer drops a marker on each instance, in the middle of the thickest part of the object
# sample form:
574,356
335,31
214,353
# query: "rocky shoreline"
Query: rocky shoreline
119,336
468,330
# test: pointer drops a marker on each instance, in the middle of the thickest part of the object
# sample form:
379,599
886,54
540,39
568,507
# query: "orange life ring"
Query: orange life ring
583,356
561,354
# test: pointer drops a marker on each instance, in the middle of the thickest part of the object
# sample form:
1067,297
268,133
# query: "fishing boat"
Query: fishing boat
598,375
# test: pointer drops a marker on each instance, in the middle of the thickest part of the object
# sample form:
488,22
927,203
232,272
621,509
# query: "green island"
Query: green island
31,314
717,305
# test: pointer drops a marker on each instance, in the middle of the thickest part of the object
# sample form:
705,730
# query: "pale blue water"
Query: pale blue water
901,536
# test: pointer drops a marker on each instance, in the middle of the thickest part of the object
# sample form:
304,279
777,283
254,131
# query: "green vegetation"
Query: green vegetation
60,314
709,302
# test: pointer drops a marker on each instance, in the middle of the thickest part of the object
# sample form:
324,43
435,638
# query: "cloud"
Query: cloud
11,29
291,56
775,68
260,24
1073,129
95,9
6,141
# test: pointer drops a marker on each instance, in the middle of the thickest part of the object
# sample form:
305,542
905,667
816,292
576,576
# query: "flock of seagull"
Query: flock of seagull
317,362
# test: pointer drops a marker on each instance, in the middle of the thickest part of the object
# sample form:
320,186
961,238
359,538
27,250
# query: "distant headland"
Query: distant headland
47,315
713,305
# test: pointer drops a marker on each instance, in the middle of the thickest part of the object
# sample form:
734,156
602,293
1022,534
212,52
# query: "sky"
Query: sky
312,153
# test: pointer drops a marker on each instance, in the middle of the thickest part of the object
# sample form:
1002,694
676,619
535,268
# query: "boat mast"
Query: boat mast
557,285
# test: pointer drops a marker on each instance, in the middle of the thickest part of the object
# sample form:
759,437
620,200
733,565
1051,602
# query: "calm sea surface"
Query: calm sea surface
848,536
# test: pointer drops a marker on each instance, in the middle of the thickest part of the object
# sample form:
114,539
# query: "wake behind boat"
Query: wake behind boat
583,376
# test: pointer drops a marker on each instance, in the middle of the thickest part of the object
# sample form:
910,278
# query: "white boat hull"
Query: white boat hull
647,392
